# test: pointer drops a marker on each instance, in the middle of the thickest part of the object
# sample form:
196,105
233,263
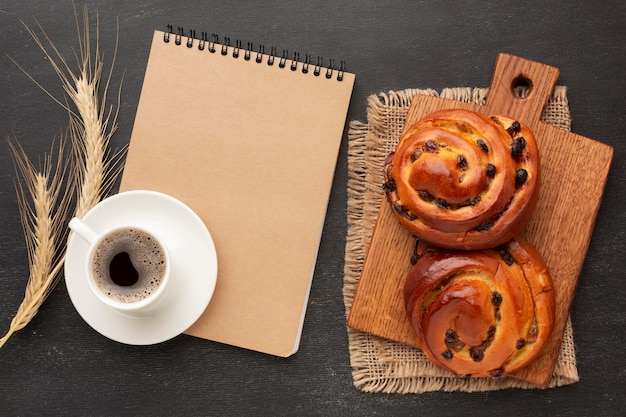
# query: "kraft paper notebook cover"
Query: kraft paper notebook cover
249,141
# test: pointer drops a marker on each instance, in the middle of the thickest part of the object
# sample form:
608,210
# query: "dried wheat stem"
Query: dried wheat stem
41,260
92,128
92,144
92,174
42,216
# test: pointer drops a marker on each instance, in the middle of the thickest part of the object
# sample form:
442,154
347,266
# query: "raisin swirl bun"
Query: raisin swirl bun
481,313
462,180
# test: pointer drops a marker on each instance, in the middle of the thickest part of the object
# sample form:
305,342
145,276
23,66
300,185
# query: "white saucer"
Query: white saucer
193,269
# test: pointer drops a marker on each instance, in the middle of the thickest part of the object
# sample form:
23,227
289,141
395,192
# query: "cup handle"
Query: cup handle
82,230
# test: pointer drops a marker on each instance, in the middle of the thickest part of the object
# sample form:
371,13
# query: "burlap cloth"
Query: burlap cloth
380,365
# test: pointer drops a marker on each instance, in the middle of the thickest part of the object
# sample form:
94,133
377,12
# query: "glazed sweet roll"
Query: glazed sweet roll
481,313
463,180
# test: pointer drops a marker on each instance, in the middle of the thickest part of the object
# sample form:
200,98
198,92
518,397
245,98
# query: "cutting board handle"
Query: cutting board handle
511,72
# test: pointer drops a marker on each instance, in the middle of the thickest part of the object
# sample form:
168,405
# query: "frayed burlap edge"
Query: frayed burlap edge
380,365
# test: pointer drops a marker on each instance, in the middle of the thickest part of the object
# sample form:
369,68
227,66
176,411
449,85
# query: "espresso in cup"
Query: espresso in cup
128,265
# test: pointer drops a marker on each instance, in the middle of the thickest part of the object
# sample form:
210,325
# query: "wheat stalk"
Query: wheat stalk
44,198
92,173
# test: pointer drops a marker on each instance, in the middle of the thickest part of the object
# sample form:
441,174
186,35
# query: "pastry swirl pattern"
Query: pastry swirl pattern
463,180
481,313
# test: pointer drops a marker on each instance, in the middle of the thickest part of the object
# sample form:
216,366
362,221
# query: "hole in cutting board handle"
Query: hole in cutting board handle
521,87
535,80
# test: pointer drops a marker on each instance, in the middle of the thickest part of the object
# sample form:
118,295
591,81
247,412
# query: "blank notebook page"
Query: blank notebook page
252,149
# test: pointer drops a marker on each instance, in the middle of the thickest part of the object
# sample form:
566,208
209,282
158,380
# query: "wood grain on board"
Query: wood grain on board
574,173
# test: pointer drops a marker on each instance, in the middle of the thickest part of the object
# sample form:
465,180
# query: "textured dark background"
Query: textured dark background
60,366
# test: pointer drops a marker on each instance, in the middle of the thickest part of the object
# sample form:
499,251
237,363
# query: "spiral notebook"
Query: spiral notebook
249,139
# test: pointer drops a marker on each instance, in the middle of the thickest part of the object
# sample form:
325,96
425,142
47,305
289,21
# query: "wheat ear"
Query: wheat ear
91,125
44,198
93,172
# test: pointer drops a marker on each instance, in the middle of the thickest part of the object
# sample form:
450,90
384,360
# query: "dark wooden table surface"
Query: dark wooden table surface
58,365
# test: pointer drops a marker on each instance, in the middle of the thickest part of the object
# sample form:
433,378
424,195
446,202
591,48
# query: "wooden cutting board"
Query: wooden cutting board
574,172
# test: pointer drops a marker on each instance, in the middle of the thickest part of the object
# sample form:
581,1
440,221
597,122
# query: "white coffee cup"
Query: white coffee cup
127,267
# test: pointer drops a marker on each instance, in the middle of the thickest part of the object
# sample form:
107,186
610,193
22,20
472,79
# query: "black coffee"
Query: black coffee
129,265
122,271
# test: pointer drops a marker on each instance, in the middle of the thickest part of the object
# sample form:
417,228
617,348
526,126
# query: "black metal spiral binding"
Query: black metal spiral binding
192,36
259,55
209,42
237,48
179,35
306,63
202,41
283,59
270,59
294,61
166,35
318,66
212,41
